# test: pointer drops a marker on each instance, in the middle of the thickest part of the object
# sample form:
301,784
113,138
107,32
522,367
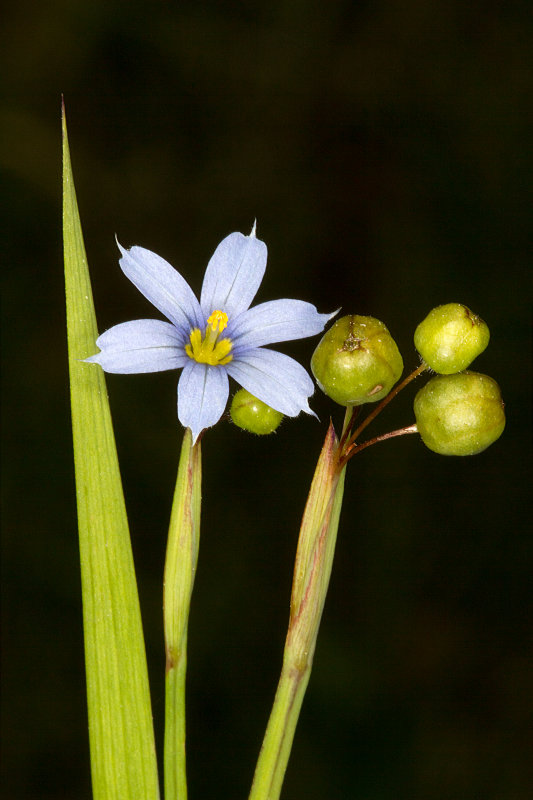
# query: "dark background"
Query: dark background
385,150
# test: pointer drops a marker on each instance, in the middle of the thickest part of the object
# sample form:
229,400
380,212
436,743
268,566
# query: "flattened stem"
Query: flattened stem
314,559
180,570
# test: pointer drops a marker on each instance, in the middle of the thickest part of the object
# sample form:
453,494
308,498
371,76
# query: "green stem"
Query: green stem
180,570
279,735
314,559
175,762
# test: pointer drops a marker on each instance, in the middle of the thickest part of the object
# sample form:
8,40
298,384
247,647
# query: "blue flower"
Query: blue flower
219,336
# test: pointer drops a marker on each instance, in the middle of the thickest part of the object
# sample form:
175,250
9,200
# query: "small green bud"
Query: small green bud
461,414
253,415
450,338
357,361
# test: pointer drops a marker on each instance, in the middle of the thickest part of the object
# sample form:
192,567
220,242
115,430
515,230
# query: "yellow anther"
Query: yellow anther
209,349
218,321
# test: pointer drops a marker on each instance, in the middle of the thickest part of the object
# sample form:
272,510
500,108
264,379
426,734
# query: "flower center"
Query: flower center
210,349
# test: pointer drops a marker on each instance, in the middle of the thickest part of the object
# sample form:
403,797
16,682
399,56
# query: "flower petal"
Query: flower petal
143,345
163,286
234,274
276,321
202,396
274,378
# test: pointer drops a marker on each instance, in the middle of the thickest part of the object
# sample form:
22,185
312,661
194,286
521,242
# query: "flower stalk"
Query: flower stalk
180,571
314,558
350,442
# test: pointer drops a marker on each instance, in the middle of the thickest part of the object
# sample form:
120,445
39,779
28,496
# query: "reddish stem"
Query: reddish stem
356,448
380,406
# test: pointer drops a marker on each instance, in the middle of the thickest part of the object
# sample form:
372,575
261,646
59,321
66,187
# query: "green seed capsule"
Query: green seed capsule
461,414
357,361
253,415
450,338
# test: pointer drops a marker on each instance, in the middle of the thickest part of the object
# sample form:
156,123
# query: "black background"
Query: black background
384,148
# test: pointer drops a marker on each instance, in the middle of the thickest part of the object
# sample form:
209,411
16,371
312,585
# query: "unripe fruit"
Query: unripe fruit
253,415
357,361
450,338
459,415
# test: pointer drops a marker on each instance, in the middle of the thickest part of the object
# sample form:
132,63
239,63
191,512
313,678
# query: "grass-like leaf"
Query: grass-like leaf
123,761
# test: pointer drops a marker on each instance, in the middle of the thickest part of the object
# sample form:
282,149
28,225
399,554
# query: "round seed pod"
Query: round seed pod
450,338
253,415
357,361
461,414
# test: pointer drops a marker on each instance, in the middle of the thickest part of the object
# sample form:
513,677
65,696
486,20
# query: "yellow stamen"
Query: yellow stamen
210,349
218,321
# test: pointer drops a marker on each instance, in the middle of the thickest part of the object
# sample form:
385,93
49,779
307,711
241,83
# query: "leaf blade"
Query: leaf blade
123,761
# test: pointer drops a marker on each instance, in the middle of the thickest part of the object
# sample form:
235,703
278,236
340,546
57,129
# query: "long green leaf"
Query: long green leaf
123,761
